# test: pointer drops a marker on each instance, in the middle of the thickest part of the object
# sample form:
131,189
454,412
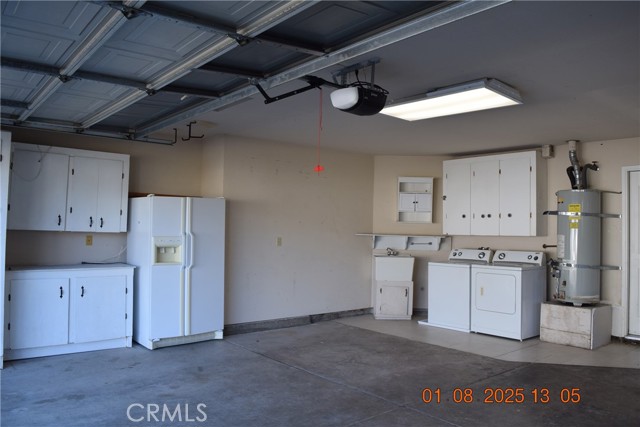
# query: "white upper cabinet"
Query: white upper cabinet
415,199
485,200
64,189
456,198
95,193
499,195
517,206
38,190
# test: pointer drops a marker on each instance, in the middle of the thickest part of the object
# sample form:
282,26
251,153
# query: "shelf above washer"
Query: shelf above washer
405,242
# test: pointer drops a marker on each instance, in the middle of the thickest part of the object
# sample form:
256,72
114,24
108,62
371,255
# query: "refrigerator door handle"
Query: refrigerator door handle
188,265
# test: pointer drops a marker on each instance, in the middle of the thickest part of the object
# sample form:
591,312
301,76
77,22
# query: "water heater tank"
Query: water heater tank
579,224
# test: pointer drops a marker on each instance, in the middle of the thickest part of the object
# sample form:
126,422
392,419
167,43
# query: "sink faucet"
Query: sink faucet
391,252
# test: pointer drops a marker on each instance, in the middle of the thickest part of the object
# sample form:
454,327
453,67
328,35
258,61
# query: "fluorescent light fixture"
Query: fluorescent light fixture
462,98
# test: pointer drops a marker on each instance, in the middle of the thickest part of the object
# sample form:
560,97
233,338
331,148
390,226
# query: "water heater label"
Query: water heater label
574,223
575,207
560,246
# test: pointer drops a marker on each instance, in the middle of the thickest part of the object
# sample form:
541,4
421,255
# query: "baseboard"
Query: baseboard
420,312
289,322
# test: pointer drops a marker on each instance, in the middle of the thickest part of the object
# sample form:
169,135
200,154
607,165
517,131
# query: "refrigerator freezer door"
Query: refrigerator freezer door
166,297
167,216
204,288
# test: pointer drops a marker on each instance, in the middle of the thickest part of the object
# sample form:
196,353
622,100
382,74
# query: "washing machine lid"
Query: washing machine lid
471,256
519,258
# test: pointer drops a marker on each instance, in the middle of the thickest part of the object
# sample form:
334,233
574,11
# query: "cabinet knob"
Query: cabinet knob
509,215
482,216
488,215
464,215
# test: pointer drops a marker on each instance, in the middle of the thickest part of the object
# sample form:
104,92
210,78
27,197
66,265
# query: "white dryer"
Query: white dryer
506,295
449,289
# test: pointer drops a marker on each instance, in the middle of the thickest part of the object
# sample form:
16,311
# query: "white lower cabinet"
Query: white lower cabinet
98,305
394,300
392,287
58,310
38,311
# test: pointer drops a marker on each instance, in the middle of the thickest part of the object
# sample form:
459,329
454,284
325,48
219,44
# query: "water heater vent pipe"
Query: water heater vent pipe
578,174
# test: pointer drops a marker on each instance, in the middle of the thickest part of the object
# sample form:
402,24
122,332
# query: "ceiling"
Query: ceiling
137,70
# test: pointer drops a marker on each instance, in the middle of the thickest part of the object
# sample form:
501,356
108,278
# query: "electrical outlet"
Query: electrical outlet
88,240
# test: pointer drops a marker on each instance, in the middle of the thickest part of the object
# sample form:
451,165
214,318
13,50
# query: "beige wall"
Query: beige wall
155,168
611,157
273,193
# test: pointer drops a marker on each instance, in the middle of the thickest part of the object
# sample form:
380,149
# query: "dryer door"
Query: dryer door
496,292
496,301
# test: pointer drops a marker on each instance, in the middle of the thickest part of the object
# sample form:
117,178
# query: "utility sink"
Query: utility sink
394,268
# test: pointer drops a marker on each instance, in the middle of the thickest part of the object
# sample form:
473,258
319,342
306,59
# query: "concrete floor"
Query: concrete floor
324,374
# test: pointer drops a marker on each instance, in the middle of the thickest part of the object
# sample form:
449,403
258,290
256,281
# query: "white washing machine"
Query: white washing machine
506,295
449,289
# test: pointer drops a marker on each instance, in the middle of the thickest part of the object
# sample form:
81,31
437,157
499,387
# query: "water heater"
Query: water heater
577,270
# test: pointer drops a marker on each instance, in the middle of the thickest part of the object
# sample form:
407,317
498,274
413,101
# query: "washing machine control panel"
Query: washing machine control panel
478,256
519,257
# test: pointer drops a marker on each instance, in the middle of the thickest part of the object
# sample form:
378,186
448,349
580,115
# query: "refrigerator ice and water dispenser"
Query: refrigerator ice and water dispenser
167,250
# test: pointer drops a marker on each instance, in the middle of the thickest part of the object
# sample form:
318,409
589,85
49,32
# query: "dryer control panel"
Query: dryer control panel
476,256
519,257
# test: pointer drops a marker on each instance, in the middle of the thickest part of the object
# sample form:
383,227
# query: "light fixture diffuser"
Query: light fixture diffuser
462,98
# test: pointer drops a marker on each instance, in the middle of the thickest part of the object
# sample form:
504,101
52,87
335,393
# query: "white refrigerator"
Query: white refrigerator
178,247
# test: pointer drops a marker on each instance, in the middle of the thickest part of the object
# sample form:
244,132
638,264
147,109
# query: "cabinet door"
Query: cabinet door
515,196
38,191
393,300
423,202
83,194
39,313
95,194
406,202
98,309
485,198
457,201
108,213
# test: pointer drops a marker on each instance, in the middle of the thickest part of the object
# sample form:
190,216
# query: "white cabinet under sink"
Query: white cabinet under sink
393,287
